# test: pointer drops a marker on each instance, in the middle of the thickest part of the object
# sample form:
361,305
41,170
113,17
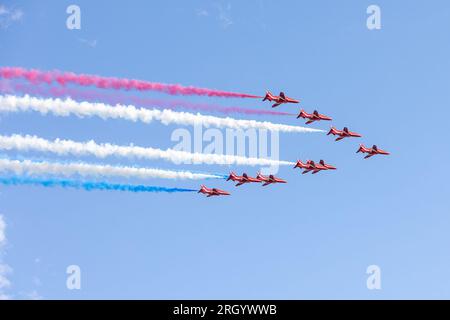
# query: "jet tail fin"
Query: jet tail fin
331,131
361,146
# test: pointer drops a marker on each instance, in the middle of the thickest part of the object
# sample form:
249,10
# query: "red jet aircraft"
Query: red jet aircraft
212,192
315,116
342,134
269,179
371,151
314,167
323,166
241,179
278,99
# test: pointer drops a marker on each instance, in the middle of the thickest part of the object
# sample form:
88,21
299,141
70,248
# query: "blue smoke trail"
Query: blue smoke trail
87,185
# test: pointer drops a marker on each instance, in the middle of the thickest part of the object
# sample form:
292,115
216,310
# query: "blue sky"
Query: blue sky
311,238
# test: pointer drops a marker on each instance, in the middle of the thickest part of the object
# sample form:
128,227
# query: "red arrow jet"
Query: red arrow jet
212,192
269,179
241,179
278,99
371,151
315,116
322,166
344,133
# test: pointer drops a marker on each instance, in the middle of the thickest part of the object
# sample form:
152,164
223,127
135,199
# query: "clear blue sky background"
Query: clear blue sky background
311,238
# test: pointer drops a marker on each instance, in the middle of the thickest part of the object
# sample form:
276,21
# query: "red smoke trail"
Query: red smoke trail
63,78
7,86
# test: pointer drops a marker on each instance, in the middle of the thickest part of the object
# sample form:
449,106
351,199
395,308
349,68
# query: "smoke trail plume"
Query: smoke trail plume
91,148
87,185
10,103
63,78
10,87
32,168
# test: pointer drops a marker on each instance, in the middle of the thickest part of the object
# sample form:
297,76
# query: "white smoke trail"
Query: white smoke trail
91,148
11,103
31,168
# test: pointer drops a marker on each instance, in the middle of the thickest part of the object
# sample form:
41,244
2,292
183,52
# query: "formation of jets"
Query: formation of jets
309,165
265,180
270,179
314,167
241,179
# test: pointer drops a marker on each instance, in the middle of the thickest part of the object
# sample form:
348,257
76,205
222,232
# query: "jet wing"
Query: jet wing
322,117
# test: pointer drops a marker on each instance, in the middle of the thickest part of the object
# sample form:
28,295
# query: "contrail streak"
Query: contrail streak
87,185
10,87
63,78
32,168
91,148
58,107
